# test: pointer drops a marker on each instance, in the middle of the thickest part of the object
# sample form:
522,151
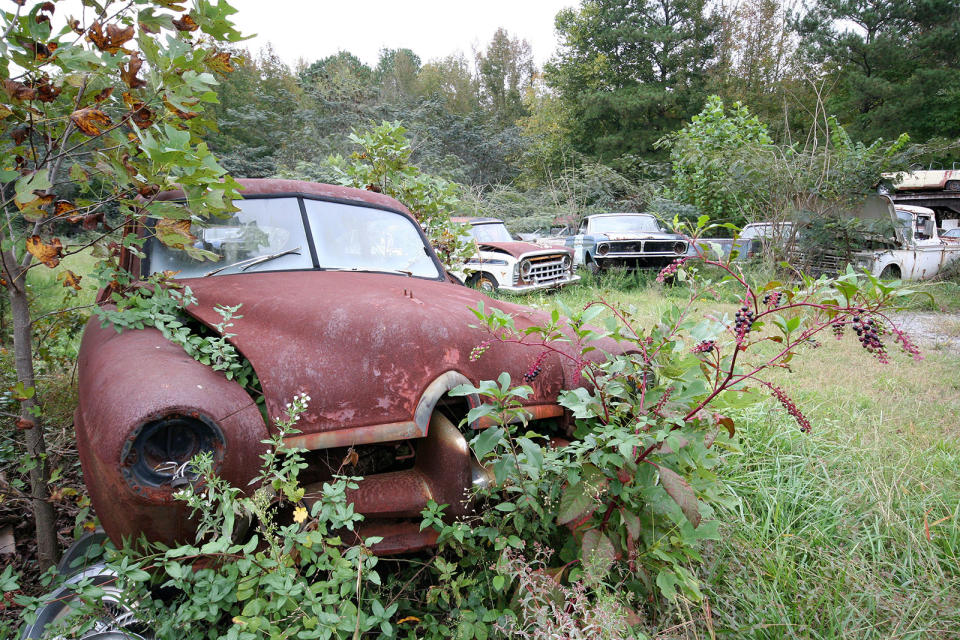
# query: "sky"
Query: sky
313,29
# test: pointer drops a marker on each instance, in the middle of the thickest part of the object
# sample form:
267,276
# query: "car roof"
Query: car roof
474,220
608,215
273,187
909,208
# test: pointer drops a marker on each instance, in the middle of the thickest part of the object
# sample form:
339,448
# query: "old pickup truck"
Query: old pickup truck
914,249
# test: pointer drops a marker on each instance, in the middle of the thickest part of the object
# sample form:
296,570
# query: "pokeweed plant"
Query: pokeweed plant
626,504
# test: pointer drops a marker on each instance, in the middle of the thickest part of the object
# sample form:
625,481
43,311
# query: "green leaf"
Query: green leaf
681,492
575,503
487,441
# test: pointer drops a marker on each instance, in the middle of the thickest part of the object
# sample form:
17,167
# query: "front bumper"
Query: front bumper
540,286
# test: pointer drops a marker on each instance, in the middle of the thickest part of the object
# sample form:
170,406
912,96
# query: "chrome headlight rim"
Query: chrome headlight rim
566,262
603,249
156,453
526,267
680,248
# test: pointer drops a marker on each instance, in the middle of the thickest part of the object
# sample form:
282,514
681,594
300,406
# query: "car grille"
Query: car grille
648,246
547,269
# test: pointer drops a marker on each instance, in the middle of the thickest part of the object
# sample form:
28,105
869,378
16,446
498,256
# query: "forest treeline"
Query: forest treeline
582,132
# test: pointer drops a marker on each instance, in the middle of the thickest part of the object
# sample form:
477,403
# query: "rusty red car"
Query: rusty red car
340,297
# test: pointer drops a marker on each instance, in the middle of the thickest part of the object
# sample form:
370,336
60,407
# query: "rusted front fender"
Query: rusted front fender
130,379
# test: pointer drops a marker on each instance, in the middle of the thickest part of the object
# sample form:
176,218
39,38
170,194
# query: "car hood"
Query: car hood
515,249
364,346
641,236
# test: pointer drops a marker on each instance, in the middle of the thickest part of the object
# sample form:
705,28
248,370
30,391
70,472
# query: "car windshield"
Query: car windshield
367,239
268,234
952,233
490,232
624,224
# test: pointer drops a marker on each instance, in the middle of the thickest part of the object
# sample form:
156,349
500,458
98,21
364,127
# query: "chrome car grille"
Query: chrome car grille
646,246
547,269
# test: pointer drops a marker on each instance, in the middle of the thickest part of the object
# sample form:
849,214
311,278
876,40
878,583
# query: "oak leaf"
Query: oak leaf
48,254
19,91
103,95
63,207
92,122
91,220
129,73
113,40
70,279
175,233
186,115
186,23
141,115
219,61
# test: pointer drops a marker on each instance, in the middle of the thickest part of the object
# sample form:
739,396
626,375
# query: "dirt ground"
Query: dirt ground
931,330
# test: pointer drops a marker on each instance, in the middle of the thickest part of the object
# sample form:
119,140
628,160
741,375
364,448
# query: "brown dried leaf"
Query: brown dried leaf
70,279
219,61
351,458
63,207
75,25
26,423
186,23
148,190
47,92
175,233
19,134
103,95
113,40
91,220
185,115
48,254
19,91
141,115
92,122
129,72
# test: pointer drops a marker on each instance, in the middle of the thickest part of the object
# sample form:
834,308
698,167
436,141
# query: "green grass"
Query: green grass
830,535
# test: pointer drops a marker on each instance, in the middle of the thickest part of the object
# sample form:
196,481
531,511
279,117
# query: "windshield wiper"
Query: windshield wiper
370,270
254,261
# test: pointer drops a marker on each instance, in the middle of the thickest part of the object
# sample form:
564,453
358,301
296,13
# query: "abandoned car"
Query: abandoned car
338,296
633,240
504,264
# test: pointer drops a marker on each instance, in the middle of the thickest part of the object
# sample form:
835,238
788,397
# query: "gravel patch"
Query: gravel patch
931,330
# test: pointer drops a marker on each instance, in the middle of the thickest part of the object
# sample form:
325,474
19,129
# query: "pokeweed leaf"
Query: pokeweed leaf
681,492
574,503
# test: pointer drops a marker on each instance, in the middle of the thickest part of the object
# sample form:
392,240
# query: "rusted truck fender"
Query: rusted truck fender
172,386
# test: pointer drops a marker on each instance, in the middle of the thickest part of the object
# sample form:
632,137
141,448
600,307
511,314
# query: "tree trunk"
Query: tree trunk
43,514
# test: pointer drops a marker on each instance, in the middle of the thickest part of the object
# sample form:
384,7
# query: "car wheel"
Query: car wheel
591,266
484,282
890,272
116,618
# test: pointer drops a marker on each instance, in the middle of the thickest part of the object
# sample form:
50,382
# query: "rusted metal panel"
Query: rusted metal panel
366,346
129,378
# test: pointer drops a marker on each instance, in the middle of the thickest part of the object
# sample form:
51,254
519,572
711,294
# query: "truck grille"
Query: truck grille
547,269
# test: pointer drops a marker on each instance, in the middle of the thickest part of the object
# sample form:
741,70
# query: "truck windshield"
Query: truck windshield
624,224
491,232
